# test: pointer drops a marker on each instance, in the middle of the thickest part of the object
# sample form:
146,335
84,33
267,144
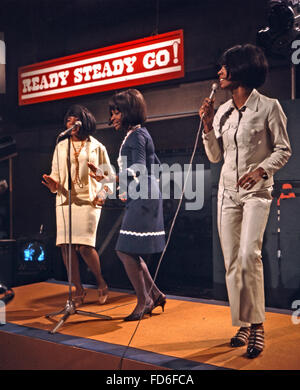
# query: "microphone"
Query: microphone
214,87
65,132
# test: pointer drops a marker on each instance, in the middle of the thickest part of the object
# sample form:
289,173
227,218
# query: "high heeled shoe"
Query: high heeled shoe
79,299
160,301
241,337
102,295
256,342
139,316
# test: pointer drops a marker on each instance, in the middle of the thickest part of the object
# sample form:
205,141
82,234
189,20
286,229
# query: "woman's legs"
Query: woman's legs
151,287
230,216
75,276
256,213
242,222
91,258
255,216
135,273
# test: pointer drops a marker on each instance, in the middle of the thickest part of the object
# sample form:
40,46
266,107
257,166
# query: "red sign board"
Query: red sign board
148,60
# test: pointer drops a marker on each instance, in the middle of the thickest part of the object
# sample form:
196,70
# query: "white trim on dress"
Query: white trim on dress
140,234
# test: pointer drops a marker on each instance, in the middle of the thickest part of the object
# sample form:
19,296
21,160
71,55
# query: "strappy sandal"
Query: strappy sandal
256,342
241,337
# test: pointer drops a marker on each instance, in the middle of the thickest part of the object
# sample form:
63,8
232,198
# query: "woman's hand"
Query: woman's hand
250,179
206,112
100,198
123,197
50,183
96,173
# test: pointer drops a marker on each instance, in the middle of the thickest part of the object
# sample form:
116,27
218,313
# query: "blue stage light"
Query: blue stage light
34,251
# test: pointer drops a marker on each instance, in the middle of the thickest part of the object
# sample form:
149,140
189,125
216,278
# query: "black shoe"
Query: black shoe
241,337
139,316
256,342
160,301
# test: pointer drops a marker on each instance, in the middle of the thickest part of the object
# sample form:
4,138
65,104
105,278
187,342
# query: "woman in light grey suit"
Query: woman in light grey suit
249,133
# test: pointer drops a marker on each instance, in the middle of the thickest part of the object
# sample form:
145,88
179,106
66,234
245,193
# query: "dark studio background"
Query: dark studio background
36,31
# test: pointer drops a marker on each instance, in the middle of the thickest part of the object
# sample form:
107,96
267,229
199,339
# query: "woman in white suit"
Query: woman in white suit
249,133
87,196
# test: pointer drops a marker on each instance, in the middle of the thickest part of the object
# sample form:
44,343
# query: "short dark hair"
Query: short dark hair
85,117
247,64
132,105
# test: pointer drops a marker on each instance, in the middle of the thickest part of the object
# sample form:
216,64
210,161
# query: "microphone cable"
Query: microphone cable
214,87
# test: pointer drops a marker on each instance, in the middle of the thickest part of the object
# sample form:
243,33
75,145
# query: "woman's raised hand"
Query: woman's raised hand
96,173
123,197
50,183
206,113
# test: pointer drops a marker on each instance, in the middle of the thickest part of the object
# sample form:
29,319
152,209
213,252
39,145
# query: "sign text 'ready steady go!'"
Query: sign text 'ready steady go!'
148,60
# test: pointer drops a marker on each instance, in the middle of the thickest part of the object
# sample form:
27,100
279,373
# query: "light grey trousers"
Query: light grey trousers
242,219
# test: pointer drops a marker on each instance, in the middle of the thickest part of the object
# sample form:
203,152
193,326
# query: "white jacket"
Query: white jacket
97,155
254,136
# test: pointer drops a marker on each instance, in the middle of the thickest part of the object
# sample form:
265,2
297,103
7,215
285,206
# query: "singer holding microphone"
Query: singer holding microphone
249,133
87,196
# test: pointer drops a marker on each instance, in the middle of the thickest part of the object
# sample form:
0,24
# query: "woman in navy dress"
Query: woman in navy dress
142,230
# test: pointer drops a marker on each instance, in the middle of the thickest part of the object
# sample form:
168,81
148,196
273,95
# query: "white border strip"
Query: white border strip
101,58
103,82
161,233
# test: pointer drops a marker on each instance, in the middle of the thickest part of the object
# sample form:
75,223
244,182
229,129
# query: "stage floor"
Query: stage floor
190,334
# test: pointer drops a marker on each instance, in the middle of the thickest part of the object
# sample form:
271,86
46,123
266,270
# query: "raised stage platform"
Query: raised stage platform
192,334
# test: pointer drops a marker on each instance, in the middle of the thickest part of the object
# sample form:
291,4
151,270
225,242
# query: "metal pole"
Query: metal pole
293,82
70,220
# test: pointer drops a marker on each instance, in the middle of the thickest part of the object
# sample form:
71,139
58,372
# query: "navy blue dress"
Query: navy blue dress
142,229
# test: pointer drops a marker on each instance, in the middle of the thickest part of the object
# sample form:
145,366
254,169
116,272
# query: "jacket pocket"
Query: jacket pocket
225,134
252,135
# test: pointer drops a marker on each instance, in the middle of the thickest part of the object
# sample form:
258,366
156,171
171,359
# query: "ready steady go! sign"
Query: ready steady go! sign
148,60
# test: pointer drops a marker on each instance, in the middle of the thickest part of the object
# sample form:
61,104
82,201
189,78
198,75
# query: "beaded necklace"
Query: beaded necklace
76,155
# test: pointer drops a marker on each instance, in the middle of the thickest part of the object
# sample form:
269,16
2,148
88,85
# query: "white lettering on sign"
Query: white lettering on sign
96,72
36,83
159,58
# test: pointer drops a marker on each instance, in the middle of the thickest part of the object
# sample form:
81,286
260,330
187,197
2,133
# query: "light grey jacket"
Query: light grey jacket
254,136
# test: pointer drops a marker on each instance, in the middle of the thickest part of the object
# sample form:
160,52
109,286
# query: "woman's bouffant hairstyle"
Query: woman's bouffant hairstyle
246,64
132,106
85,117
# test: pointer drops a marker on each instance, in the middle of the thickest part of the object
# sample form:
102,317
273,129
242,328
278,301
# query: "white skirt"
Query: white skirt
84,217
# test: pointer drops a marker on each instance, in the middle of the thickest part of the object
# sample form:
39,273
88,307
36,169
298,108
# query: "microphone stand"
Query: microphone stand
70,307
